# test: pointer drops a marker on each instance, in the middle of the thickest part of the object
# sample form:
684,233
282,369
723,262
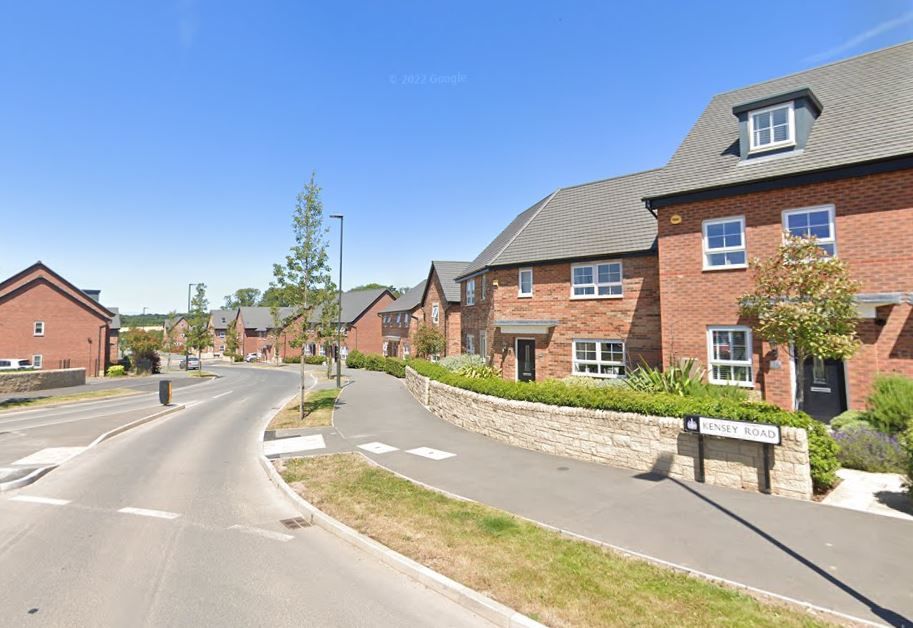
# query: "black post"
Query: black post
768,449
700,457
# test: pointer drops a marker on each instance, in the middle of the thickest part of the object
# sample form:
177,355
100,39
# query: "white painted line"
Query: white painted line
223,394
268,534
297,443
144,512
378,448
34,499
51,455
428,452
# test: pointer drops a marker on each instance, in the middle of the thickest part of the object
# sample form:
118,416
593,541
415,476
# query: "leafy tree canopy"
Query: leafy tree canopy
242,297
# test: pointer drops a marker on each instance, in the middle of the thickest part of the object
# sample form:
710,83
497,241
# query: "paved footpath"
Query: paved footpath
855,563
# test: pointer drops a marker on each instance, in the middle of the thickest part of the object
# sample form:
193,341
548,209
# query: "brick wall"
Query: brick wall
366,333
634,318
401,326
874,234
632,441
449,320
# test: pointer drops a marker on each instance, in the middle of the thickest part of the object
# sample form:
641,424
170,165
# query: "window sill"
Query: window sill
594,376
524,296
760,150
728,383
727,267
587,297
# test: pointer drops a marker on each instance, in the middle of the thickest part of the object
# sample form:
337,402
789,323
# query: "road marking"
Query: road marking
268,534
51,455
144,512
34,499
428,452
296,443
378,448
223,394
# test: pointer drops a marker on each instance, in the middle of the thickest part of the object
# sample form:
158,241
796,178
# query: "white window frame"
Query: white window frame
483,343
37,361
221,333
435,313
791,123
471,292
526,295
470,344
831,214
35,328
482,282
596,284
599,361
749,362
726,249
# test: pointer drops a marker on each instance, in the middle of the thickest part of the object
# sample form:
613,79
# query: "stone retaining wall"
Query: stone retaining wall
24,381
620,439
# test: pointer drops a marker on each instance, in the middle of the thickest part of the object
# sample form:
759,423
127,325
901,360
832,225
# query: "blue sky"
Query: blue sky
144,145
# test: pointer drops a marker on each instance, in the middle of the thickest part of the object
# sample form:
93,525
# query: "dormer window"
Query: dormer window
772,127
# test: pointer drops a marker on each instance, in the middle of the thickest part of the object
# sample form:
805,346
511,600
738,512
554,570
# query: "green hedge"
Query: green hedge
355,360
822,448
116,370
373,362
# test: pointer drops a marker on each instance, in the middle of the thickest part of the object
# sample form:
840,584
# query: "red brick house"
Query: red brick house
255,328
176,330
400,320
219,320
440,305
362,326
826,152
49,321
571,286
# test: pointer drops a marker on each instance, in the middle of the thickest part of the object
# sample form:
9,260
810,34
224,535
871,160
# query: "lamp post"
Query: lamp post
186,348
339,313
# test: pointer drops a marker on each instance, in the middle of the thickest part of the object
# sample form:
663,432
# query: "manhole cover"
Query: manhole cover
295,523
564,468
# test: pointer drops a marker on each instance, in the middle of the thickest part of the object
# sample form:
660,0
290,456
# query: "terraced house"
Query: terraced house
399,322
219,320
825,153
570,287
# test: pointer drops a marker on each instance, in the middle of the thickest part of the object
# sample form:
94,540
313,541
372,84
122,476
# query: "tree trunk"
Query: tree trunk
800,380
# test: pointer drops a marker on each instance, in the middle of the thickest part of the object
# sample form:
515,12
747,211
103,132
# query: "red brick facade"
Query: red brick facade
398,329
873,227
633,318
448,320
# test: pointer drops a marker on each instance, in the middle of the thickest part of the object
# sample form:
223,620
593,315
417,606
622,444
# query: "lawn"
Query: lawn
75,397
318,411
555,580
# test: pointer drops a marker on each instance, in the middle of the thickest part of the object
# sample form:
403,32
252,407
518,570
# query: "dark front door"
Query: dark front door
825,388
526,360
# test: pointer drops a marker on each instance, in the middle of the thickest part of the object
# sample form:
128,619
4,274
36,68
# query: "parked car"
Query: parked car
252,357
191,364
13,364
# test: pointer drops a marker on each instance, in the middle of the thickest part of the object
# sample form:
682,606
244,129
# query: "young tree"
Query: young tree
277,330
242,297
306,267
804,300
170,343
429,341
232,341
327,327
198,337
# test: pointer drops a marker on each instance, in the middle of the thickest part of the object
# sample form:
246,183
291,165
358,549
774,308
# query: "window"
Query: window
435,313
772,127
817,222
222,348
724,243
405,350
483,343
601,280
730,355
525,284
37,361
221,334
38,329
482,282
599,358
470,343
471,292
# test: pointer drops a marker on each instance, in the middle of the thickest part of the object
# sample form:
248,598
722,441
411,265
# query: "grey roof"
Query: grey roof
354,304
407,302
216,316
115,321
261,318
447,273
601,218
867,115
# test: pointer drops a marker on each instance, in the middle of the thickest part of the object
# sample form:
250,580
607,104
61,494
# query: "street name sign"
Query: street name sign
741,430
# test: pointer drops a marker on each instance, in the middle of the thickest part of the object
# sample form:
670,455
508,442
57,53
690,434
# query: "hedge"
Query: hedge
822,448
373,362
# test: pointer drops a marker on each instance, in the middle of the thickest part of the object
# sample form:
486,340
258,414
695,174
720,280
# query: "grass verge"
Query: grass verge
201,374
555,580
75,397
318,410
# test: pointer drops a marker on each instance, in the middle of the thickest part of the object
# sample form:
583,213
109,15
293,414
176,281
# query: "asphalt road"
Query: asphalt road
175,524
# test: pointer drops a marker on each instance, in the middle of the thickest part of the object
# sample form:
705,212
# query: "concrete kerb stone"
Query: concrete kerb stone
481,605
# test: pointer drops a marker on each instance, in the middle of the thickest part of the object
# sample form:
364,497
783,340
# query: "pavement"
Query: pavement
879,493
853,563
174,523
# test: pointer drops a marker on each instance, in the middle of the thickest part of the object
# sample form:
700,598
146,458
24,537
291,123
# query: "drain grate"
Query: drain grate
295,523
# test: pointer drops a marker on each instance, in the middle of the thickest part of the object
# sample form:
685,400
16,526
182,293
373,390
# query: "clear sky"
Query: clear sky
145,145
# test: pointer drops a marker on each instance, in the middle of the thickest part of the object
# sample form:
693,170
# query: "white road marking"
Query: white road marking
296,443
51,455
34,499
428,452
223,394
378,448
144,512
269,534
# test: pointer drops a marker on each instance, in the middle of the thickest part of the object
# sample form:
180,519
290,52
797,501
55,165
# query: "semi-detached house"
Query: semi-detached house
399,321
441,303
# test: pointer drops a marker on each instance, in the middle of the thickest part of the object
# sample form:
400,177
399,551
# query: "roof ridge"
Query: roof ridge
615,178
813,68
547,200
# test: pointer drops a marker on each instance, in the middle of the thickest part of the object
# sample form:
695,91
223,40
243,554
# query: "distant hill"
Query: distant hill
142,320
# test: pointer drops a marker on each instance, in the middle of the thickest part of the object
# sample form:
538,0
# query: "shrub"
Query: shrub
374,362
478,371
237,357
428,341
292,359
891,403
456,362
116,370
314,359
685,379
590,382
355,360
850,418
906,441
867,449
395,367
821,446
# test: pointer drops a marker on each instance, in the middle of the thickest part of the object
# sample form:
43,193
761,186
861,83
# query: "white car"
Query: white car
252,357
11,364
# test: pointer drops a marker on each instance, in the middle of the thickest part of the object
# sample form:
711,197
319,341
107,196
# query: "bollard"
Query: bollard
165,392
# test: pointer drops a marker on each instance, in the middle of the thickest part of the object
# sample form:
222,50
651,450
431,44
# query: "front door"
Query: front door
526,360
825,388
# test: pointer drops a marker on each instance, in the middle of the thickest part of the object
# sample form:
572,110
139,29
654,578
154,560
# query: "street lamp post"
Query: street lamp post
186,348
339,313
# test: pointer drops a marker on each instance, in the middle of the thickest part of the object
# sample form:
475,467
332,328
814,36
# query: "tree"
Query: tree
274,295
232,341
143,346
327,327
198,337
242,297
277,330
170,343
375,286
306,269
429,341
804,300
